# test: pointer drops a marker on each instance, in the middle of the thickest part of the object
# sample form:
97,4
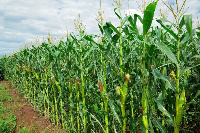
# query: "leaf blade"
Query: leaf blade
148,17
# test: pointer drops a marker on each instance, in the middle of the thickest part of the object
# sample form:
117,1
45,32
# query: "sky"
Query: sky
23,22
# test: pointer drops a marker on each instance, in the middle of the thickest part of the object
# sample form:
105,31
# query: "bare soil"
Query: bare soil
26,115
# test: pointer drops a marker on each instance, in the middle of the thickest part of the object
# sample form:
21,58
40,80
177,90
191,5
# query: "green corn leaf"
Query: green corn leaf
117,13
158,32
148,17
139,17
182,23
198,94
151,127
168,52
171,32
88,53
89,38
73,37
157,124
198,34
134,21
165,112
186,20
124,20
115,39
108,32
184,70
111,104
185,38
194,99
158,75
57,53
188,23
96,107
101,29
188,68
196,56
159,98
113,28
133,24
93,116
63,112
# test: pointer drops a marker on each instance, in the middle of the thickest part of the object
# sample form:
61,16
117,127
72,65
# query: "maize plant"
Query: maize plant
123,80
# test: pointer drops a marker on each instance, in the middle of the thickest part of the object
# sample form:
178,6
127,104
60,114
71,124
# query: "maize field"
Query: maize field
123,80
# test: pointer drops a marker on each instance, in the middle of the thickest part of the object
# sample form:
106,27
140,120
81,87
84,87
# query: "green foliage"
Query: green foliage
4,93
2,69
24,130
148,17
7,120
74,81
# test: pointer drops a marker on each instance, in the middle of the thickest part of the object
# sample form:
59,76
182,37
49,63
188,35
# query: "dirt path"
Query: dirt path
26,115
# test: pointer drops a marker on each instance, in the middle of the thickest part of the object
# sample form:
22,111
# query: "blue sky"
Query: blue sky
22,21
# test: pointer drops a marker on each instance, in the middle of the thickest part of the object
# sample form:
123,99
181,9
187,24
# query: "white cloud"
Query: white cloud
21,21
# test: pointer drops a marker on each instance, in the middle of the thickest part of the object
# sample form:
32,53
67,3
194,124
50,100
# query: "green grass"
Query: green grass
4,93
7,117
24,130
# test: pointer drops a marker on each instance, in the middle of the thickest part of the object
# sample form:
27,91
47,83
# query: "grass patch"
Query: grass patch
24,130
27,130
4,94
7,117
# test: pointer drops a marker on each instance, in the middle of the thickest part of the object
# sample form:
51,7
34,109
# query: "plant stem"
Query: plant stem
82,91
144,95
70,99
163,90
77,92
55,103
176,130
77,95
121,52
45,112
121,73
123,117
106,115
